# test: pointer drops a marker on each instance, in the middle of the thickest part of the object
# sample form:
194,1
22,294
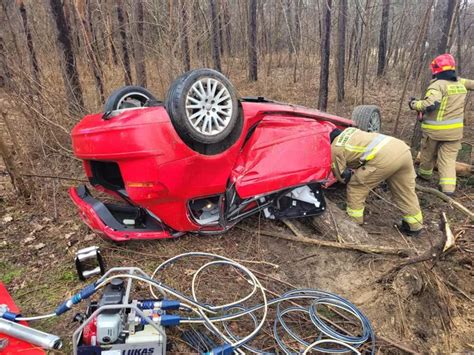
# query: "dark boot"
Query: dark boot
405,229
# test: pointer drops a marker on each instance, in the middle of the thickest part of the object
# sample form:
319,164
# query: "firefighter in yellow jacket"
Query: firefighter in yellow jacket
442,125
363,160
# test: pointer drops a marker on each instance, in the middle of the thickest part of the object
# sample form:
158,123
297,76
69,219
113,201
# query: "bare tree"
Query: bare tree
447,26
252,40
216,54
383,37
140,64
35,71
228,30
12,168
184,37
94,61
341,48
5,74
70,73
123,36
325,54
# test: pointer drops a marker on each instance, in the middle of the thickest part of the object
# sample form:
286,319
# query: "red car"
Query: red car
203,160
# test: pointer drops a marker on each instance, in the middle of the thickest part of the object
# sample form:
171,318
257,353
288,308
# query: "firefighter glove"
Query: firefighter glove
346,175
411,103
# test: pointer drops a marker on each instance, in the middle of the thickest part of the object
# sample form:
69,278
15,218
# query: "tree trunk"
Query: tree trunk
252,40
383,37
335,223
325,53
448,18
228,33
123,36
341,49
413,51
216,53
13,172
297,22
140,63
289,20
70,73
459,41
220,20
184,37
81,9
365,56
35,71
5,72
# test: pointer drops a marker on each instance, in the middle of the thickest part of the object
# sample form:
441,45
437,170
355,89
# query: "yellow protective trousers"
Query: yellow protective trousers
445,153
399,174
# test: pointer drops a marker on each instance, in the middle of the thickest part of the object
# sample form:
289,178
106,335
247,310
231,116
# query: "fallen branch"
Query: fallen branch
48,177
446,198
363,248
432,254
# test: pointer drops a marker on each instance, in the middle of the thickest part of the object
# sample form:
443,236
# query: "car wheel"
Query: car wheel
367,118
203,106
128,97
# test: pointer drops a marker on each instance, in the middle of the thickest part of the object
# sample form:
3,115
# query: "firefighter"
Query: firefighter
363,160
442,125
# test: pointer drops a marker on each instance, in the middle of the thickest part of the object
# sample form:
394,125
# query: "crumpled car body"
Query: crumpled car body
279,165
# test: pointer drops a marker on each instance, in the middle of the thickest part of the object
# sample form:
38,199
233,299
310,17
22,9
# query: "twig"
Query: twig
433,253
49,177
293,228
397,345
456,288
448,199
258,262
364,248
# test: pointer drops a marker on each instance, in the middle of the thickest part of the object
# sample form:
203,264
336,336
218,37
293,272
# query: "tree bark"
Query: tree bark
341,49
5,72
423,27
228,30
252,40
35,71
448,18
140,55
13,172
81,9
297,22
325,54
123,36
184,37
334,222
216,53
70,73
383,37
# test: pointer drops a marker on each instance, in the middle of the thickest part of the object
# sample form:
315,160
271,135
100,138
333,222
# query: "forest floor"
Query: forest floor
427,308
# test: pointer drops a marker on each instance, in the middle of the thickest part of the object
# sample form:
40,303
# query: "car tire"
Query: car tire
367,118
128,97
203,106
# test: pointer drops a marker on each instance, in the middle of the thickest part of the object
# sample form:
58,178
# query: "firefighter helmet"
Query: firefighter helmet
442,63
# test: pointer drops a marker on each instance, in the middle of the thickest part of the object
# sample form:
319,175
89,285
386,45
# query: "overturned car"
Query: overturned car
203,160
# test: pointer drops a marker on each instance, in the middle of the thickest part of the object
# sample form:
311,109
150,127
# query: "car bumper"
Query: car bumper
108,220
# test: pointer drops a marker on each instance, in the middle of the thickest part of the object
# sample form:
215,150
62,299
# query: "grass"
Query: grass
10,272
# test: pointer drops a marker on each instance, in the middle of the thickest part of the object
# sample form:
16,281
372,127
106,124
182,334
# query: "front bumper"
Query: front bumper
108,219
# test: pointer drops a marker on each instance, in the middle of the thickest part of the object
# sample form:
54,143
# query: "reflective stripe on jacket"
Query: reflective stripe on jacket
354,147
443,106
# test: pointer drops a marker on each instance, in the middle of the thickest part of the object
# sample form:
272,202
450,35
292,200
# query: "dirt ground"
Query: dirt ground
426,308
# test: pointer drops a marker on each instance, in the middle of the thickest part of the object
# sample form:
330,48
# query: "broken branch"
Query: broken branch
364,248
446,198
